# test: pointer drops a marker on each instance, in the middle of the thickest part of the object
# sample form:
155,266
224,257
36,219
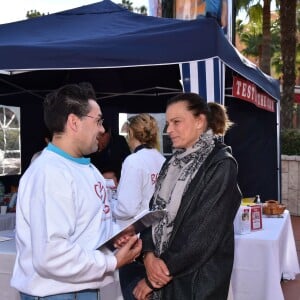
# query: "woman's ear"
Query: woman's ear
129,133
201,122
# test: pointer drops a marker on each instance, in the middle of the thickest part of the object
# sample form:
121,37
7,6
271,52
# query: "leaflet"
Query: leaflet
140,222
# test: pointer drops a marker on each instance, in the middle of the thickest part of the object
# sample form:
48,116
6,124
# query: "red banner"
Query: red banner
246,90
297,94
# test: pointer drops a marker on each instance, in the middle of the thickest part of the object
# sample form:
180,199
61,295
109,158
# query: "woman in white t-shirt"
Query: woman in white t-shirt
139,170
138,177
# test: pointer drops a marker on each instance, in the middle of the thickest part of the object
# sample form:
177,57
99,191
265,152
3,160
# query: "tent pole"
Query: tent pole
278,152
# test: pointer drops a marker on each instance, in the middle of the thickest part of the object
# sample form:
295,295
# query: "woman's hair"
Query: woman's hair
69,99
218,119
216,114
144,128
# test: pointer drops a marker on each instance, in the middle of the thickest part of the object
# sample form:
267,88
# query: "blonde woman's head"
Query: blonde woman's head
143,128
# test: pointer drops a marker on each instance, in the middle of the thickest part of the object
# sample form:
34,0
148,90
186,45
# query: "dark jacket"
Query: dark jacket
201,246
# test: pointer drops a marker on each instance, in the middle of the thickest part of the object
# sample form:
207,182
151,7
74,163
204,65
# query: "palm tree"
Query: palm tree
260,14
127,4
288,51
167,8
288,54
142,10
33,14
276,48
265,63
250,35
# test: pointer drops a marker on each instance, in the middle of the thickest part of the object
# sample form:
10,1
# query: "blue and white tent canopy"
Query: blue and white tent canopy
105,35
205,77
105,42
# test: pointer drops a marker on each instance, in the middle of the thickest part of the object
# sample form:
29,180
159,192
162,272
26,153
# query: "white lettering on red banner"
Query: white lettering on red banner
246,90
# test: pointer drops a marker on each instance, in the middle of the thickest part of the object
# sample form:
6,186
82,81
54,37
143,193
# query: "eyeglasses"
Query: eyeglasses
99,119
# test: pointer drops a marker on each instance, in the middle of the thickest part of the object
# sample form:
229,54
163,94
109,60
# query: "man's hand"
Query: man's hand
122,238
129,252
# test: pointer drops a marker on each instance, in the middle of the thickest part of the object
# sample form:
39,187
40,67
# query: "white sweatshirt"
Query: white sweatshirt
62,217
136,187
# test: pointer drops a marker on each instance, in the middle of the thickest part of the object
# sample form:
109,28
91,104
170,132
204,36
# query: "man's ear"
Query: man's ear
73,122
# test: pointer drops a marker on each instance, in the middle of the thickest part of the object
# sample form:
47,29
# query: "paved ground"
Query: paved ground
291,288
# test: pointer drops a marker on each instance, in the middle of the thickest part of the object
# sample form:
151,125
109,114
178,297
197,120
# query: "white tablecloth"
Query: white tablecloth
7,221
262,258
7,260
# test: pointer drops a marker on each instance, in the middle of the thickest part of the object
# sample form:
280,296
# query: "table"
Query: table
262,258
7,221
7,260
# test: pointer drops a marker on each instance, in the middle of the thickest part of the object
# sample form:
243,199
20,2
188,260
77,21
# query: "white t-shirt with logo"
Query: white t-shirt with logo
63,214
136,187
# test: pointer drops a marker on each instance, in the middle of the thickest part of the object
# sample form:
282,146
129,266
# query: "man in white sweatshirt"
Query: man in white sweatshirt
63,214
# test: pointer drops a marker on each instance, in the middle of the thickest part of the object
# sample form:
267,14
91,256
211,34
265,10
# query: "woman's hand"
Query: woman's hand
142,290
157,271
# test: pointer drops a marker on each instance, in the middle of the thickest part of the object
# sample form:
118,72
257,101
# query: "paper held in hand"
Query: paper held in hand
140,222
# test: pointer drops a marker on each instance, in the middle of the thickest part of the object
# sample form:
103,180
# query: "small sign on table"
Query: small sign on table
248,219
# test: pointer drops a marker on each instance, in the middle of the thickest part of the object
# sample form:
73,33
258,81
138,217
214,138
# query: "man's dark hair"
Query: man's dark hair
68,99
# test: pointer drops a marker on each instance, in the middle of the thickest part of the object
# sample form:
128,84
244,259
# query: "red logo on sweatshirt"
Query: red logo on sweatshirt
102,195
154,178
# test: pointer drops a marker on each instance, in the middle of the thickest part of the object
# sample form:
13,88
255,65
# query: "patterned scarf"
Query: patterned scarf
172,183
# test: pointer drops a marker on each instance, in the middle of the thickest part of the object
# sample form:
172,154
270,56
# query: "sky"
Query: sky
15,10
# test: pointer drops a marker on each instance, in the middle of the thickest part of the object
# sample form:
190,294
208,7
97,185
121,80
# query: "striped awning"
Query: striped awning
204,77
